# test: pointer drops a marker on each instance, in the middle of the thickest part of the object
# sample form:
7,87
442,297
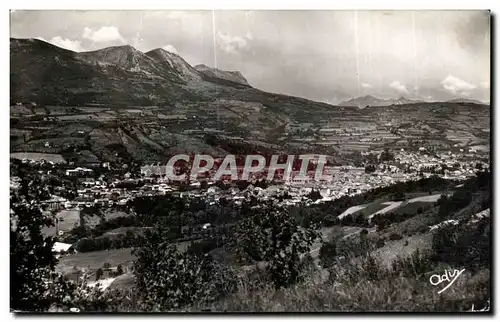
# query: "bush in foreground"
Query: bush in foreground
274,237
169,279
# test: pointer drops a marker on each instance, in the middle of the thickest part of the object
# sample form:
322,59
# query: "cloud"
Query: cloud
398,87
58,41
105,34
366,85
457,86
232,44
170,49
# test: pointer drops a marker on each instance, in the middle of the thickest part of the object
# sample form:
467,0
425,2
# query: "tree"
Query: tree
399,195
360,220
34,284
167,278
370,168
327,254
314,195
204,185
31,259
98,274
386,155
272,235
330,220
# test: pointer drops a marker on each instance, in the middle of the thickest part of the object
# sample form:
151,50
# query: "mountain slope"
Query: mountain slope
125,76
154,104
175,63
234,76
47,74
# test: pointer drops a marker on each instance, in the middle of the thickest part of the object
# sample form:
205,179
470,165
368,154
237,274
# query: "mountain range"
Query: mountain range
368,101
155,104
123,75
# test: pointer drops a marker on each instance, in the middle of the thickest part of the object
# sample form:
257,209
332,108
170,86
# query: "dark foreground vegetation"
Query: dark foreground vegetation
268,263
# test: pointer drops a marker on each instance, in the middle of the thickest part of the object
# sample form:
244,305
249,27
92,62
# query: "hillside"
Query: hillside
148,106
391,259
235,76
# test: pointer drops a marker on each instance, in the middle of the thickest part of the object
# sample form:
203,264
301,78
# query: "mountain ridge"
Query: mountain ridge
234,76
104,76
370,101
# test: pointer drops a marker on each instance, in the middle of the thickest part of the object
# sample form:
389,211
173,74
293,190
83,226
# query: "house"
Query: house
55,203
62,248
101,201
79,172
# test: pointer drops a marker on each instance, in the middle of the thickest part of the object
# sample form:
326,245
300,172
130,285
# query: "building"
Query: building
55,203
77,172
62,248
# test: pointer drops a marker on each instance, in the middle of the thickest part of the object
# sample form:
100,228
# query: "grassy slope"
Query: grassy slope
386,294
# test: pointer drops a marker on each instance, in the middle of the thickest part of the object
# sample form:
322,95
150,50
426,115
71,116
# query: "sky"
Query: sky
328,56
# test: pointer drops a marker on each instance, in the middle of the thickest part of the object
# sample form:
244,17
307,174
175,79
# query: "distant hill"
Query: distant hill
368,100
467,100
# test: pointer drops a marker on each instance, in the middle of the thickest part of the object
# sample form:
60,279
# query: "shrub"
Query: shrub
353,247
202,247
314,195
330,220
415,265
399,196
380,243
359,269
327,254
272,235
169,279
98,274
423,229
395,236
464,245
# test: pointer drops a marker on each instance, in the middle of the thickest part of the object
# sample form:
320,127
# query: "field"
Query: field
56,158
92,221
411,208
390,206
383,205
431,198
351,211
395,248
373,207
67,220
95,260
